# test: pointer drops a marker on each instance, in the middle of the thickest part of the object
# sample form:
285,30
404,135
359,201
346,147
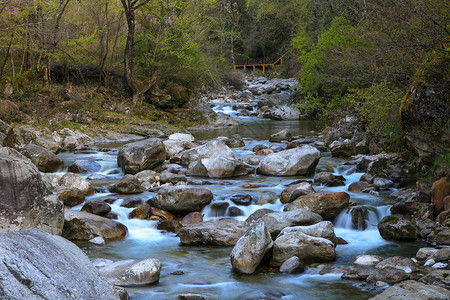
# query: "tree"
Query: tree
130,7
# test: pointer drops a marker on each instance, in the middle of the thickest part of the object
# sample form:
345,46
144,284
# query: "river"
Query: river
207,270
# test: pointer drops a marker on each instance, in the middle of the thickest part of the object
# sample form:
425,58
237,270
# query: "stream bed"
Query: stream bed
207,270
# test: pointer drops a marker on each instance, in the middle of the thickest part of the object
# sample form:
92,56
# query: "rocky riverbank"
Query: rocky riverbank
171,179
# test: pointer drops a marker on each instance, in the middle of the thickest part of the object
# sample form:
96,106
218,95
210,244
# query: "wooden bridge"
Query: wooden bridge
259,64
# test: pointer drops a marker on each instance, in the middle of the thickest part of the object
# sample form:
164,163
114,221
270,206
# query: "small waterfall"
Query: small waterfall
371,216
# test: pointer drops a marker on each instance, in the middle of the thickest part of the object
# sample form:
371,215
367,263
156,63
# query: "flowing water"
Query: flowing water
207,270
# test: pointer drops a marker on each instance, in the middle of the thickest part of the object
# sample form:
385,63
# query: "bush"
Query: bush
379,107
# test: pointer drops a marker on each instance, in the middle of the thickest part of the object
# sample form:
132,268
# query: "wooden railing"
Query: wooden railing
262,65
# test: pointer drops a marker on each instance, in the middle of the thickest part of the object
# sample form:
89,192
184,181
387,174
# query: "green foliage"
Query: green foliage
378,105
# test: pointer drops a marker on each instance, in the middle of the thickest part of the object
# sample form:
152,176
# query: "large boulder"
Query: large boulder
296,161
128,184
326,205
181,199
38,265
143,155
283,135
398,229
277,221
402,263
439,190
251,248
79,225
282,112
212,148
132,273
414,290
222,232
23,201
71,180
214,167
307,248
45,160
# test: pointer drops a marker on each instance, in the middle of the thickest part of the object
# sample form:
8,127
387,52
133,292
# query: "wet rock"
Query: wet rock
307,248
443,237
259,147
281,112
323,229
360,217
142,212
190,297
292,265
277,221
80,225
234,211
72,180
257,215
398,262
398,229
147,179
283,135
241,199
23,201
253,161
295,191
97,207
439,190
131,202
169,225
45,160
297,161
181,199
214,148
192,218
424,253
442,254
367,178
37,265
328,179
367,260
129,184
235,141
164,215
215,167
358,186
382,183
222,232
219,208
264,152
98,241
84,166
71,196
414,290
132,272
346,148
250,249
326,205
438,277
142,155
167,176
242,169
388,275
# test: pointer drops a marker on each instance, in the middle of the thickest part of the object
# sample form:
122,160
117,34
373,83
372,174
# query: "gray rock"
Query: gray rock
84,166
441,255
307,248
99,241
181,199
45,160
251,248
71,196
133,273
292,265
281,112
328,179
222,232
398,229
424,253
324,229
212,148
72,180
437,277
294,191
414,290
80,225
277,221
143,155
214,167
346,148
129,184
235,141
37,265
167,176
382,183
326,205
283,135
402,263
297,161
23,201
97,207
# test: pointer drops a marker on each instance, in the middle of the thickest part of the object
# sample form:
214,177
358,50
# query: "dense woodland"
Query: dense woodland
360,56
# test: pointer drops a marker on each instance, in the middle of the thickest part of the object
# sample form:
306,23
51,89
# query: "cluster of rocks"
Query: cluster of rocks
423,277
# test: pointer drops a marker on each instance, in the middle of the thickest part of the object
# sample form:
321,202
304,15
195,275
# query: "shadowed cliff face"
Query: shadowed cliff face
425,112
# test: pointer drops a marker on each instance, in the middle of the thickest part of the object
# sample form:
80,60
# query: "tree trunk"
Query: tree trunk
130,54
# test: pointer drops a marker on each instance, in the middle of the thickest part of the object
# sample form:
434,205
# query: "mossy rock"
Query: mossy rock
396,228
